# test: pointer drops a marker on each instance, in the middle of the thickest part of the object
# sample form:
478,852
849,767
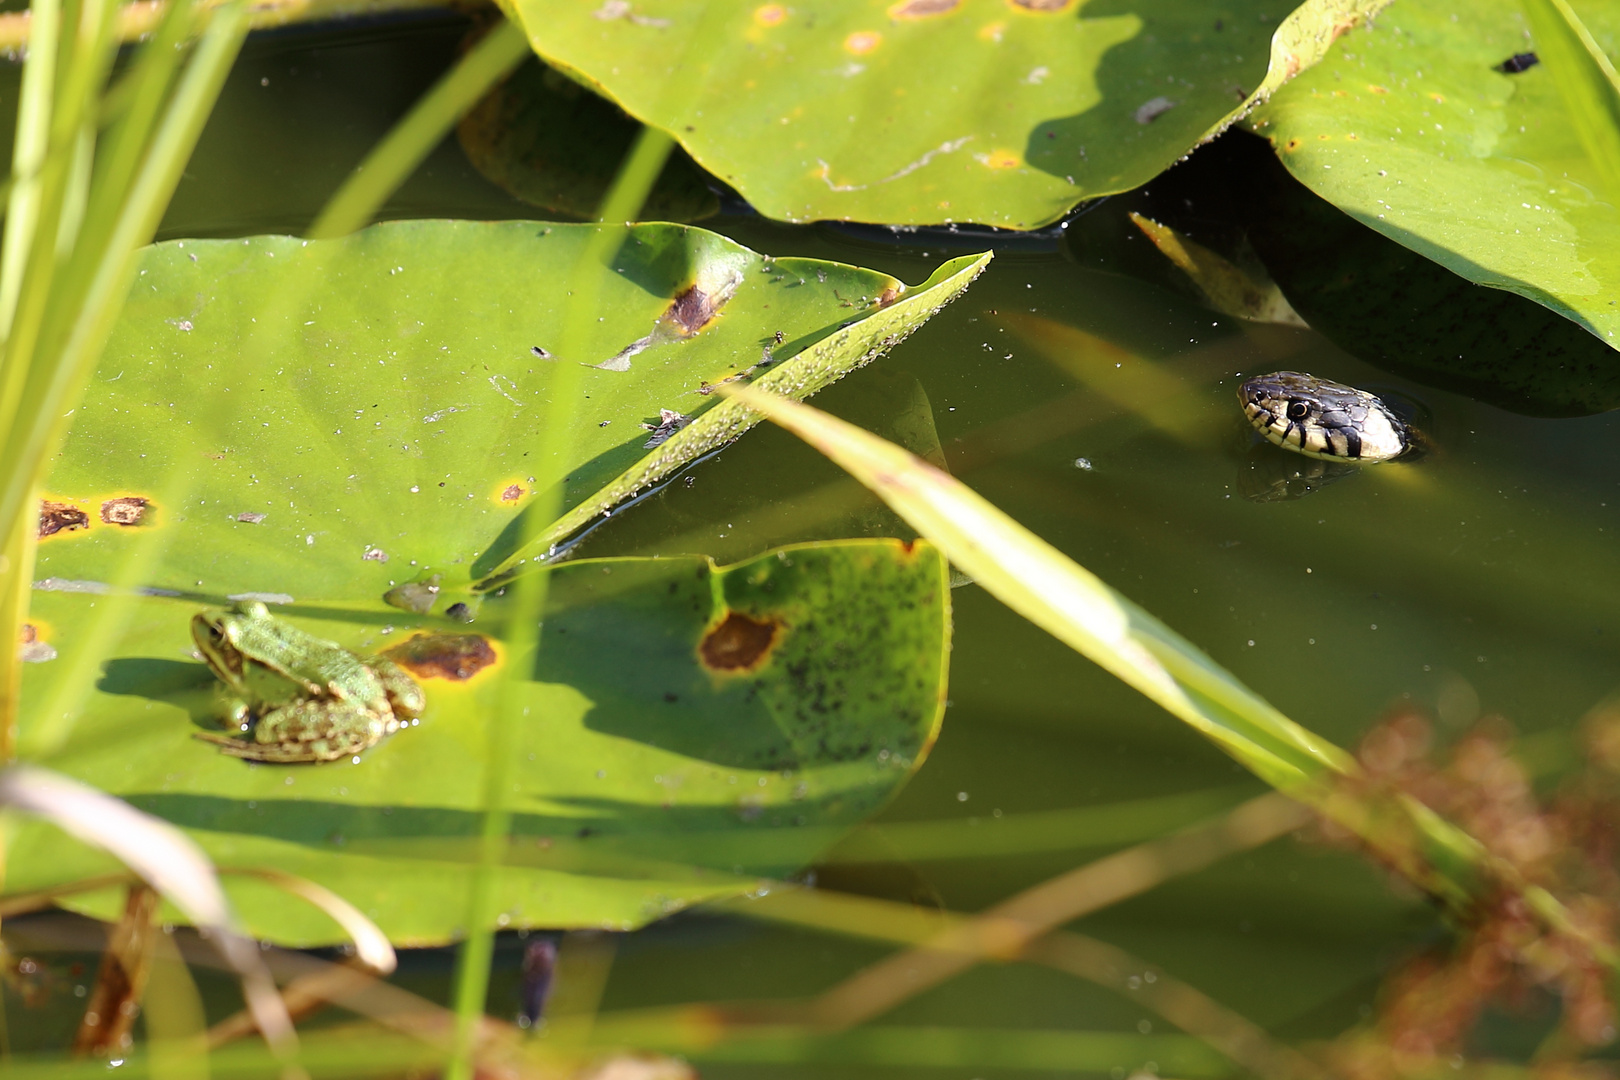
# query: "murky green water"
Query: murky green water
1481,580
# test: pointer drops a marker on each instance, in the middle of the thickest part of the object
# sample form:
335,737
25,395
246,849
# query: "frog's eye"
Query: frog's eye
1298,410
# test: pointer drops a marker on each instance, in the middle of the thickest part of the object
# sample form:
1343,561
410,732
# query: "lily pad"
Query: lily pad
1003,112
684,728
1417,126
314,424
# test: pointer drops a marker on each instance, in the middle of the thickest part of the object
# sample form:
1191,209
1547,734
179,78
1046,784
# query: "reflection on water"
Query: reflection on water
1271,474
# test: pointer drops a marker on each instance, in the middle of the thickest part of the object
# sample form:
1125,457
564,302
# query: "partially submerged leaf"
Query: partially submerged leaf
934,111
551,142
1245,292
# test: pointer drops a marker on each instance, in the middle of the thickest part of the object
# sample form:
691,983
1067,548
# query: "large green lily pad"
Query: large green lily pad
313,424
655,768
1410,127
1004,112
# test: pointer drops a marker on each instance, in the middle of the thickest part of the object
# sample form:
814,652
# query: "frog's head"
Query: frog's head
218,636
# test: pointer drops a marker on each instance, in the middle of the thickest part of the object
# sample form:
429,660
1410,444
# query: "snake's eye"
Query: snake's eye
1298,410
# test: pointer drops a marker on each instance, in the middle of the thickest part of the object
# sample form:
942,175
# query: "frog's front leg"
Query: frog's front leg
308,731
235,714
405,697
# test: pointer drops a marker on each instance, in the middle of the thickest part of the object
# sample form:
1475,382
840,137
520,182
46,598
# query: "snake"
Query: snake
1324,419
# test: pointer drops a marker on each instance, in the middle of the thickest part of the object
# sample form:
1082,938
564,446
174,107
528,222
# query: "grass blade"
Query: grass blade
623,201
1046,587
1055,593
30,442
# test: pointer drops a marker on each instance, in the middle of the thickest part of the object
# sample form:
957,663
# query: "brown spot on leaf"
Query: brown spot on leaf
457,657
921,9
738,643
124,510
513,493
1043,6
692,310
55,517
890,295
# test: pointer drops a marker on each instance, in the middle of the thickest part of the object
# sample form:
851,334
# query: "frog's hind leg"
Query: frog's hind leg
306,731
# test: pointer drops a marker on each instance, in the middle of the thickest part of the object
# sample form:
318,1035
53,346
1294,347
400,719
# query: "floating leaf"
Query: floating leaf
1004,112
378,398
684,728
1416,127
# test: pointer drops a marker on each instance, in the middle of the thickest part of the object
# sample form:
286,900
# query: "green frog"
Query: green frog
295,697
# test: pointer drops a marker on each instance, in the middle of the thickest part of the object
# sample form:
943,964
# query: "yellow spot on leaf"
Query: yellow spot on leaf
1000,159
862,42
769,14
1439,98
1293,144
509,491
1375,88
992,31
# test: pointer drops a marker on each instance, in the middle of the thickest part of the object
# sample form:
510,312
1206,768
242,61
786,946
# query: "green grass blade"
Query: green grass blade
28,156
423,128
142,93
1586,80
29,442
34,109
1060,596
623,201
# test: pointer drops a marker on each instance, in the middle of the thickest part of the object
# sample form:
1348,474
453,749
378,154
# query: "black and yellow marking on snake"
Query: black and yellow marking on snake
1323,419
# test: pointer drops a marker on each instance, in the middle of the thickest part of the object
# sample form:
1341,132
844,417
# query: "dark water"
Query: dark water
1481,580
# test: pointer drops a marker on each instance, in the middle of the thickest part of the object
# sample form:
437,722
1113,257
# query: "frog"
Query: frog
292,697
